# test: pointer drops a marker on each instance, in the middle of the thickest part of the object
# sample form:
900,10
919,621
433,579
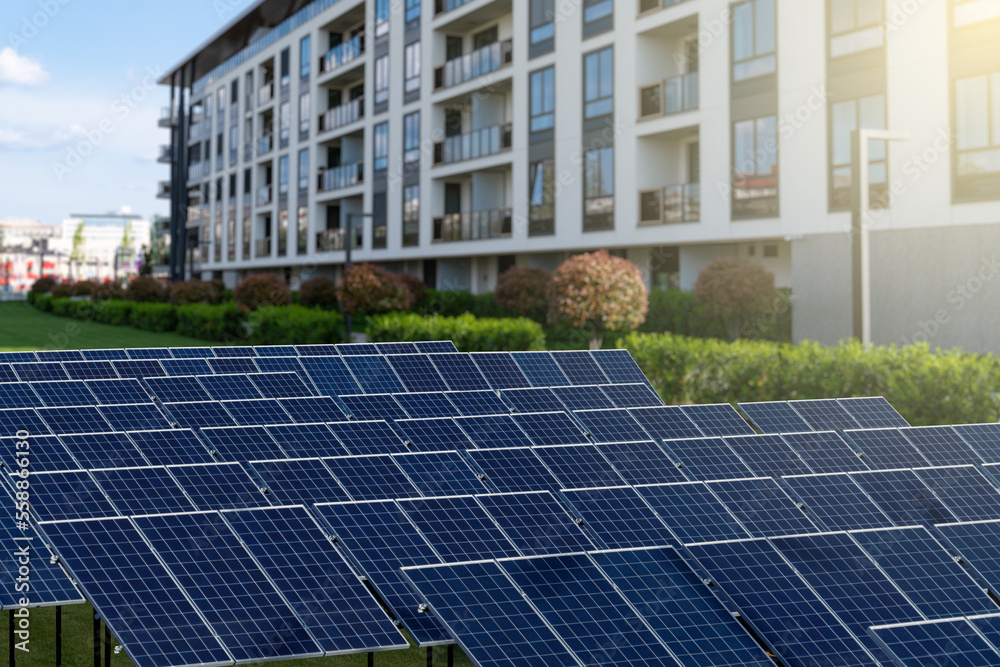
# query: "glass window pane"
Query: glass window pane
764,39
743,147
872,116
607,73
972,112
841,16
536,93
591,74
995,107
869,12
767,146
743,31
844,122
608,171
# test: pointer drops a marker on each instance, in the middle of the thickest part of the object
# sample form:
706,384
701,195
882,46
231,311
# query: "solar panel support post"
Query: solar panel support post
430,656
97,641
348,246
59,636
371,659
451,655
10,658
107,646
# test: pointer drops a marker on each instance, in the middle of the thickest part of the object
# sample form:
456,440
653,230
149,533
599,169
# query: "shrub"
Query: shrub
145,290
367,289
418,290
522,290
84,288
114,312
153,316
291,325
43,285
735,291
598,292
467,332
62,291
184,292
320,291
108,291
262,289
61,306
678,312
209,322
42,302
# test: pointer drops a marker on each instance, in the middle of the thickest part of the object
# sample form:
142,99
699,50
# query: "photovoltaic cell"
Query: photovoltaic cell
7,374
666,422
90,370
49,584
111,392
142,490
706,459
233,351
500,370
988,626
103,355
233,365
440,474
243,443
459,371
18,395
717,419
838,502
281,364
139,368
619,517
280,385
579,466
374,406
641,462
825,451
13,420
540,369
309,409
299,481
948,642
229,387
493,431
392,347
175,367
219,486
887,449
371,477
824,414
615,425
368,437
768,455
941,445
692,512
536,523
356,349
514,469
458,528
976,542
135,417
619,366
632,395
191,352
45,453
275,351
199,414
435,346
550,428
100,450
583,397
57,496
580,367
59,355
39,371
430,435
762,507
774,417
306,440
328,374
872,412
416,372
320,350
964,490
903,497
170,447
472,403
18,357
426,404
177,389
262,411
82,419
534,399
149,353
374,374
983,438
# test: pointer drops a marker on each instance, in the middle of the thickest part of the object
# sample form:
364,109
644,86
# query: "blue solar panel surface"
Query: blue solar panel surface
692,512
619,517
458,528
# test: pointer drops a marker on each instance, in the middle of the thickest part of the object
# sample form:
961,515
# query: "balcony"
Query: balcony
670,204
345,114
167,117
166,155
262,247
265,93
674,95
264,195
472,145
647,6
442,6
330,240
265,144
473,226
163,190
196,170
472,65
340,177
342,54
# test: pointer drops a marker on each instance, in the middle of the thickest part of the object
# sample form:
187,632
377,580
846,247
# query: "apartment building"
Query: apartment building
461,137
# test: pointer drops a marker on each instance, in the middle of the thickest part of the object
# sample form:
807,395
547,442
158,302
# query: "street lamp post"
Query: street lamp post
348,245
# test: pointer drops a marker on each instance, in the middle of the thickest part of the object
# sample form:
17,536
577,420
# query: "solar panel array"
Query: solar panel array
535,508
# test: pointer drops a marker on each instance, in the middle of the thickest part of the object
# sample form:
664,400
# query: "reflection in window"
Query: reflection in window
543,26
382,80
755,167
594,10
599,189
411,137
846,117
977,128
381,145
855,25
542,198
599,83
543,99
411,67
411,215
753,39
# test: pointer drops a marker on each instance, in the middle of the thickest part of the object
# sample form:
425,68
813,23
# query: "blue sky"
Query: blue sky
79,102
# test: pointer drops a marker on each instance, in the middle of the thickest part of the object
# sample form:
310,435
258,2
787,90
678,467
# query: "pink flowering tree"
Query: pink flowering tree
522,290
598,292
367,289
735,291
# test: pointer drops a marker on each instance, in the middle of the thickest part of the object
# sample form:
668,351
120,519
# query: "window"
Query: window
283,175
755,167
245,247
217,225
381,18
218,152
381,159
543,27
598,83
599,189
304,169
302,231
411,67
231,221
220,107
305,57
968,12
977,129
282,232
286,56
382,80
411,137
411,215
234,142
284,122
379,229
542,198
846,117
855,25
594,10
753,39
412,14
543,99
234,92
304,112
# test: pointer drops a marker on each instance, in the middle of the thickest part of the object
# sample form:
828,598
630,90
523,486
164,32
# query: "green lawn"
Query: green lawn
25,328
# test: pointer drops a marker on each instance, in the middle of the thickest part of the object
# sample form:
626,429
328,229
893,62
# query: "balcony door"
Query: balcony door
452,198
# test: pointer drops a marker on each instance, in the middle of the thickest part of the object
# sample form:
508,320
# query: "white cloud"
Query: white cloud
20,70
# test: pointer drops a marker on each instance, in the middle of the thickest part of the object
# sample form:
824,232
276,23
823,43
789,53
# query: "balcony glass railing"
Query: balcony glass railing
673,95
264,195
653,5
265,144
473,226
442,6
265,93
262,248
345,114
343,176
330,240
342,54
480,62
673,203
166,154
480,143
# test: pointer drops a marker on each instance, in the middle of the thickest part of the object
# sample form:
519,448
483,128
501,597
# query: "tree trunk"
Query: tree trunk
596,338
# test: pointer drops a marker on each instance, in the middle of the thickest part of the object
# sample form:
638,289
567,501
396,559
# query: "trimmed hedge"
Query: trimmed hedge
468,333
215,323
291,325
153,316
114,312
926,387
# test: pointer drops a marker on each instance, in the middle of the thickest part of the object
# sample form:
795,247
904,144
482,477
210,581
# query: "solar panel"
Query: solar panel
227,586
768,455
7,374
717,419
580,367
887,449
374,374
336,608
774,417
641,462
500,370
838,502
59,355
514,469
429,435
762,507
435,346
254,411
586,610
18,357
825,451
299,481
319,350
493,431
426,404
619,517
690,620
536,523
309,409
983,438
824,414
550,428
170,447
692,512
218,486
976,542
142,490
191,352
81,419
199,414
18,395
233,351
140,602
90,370
459,371
49,585
507,631
964,490
100,450
306,440
796,625
285,365
138,368
15,420
149,353
177,389
903,497
280,385
458,528
186,367
988,626
229,387
44,453
111,392
355,349
579,466
872,412
135,417
534,399
583,397
472,403
619,366
68,494
632,396
38,371
666,422
940,445
416,372
374,477
374,406
368,437
242,443
542,370
275,351
440,474
948,642
925,572
705,459
233,365
103,355
393,347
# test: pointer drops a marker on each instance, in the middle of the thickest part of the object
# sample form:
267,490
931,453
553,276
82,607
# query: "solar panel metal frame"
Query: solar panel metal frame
458,528
490,431
541,369
371,477
150,489
90,370
500,370
529,474
373,436
416,372
459,371
218,486
536,522
309,409
872,412
550,428
619,516
426,404
774,417
824,414
233,365
229,387
306,440
477,403
579,466
579,366
299,481
177,446
635,395
692,512
763,507
440,474
373,406
122,390
850,509
134,417
434,434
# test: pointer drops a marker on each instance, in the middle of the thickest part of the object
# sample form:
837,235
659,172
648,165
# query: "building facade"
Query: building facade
462,137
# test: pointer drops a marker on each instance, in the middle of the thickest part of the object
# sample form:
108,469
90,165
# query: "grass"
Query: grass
25,328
